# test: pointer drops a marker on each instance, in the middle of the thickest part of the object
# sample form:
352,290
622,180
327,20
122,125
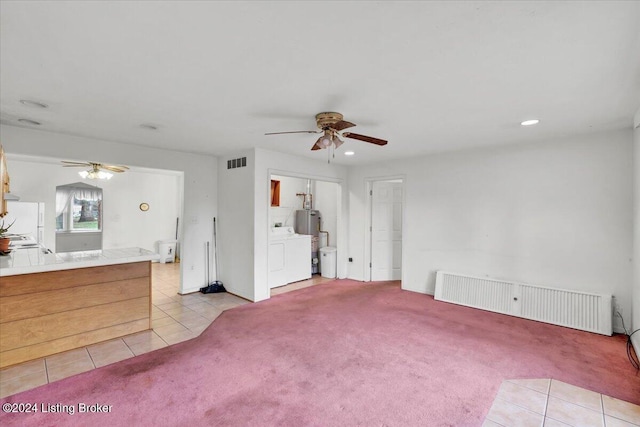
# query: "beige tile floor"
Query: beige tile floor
552,403
175,318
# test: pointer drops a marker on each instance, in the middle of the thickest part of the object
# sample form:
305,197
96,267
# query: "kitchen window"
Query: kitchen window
78,208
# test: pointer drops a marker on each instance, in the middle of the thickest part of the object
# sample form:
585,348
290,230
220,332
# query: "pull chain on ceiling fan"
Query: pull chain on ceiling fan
332,125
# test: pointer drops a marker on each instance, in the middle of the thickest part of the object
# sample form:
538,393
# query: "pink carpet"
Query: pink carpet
342,353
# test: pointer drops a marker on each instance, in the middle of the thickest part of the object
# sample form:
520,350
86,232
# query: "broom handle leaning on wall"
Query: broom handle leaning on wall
215,246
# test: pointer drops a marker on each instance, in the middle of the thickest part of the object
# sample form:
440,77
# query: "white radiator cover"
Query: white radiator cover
573,309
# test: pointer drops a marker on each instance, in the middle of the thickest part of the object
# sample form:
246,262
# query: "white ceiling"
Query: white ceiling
215,76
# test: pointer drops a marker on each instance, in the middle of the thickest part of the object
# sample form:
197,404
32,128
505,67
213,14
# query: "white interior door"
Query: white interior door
386,230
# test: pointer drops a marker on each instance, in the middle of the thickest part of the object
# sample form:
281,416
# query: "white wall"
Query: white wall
124,224
325,199
636,234
236,225
199,182
268,163
557,213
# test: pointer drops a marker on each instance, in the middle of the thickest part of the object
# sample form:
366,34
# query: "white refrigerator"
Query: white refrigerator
29,220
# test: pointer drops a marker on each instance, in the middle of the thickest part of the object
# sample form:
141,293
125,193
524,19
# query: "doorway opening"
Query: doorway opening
308,208
384,229
74,217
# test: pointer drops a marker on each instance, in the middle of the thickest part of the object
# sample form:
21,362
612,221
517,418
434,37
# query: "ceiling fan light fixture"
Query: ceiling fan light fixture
104,175
326,140
95,174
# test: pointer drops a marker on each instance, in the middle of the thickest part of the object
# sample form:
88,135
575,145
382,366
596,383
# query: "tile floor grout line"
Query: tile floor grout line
621,419
91,357
515,404
528,387
46,369
130,349
162,339
188,328
546,405
577,404
495,422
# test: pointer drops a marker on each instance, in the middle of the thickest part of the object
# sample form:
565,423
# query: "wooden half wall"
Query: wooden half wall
46,313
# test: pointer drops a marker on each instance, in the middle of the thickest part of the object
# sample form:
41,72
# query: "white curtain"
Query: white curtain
64,193
91,194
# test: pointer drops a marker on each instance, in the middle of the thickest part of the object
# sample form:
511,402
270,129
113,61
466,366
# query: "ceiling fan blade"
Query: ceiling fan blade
72,164
113,168
295,131
365,138
342,124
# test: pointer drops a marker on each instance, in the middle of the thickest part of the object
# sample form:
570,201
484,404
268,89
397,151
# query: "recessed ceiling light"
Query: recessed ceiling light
349,153
148,126
36,104
29,122
530,122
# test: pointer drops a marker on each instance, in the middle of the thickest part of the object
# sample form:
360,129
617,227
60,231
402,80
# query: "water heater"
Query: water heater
308,222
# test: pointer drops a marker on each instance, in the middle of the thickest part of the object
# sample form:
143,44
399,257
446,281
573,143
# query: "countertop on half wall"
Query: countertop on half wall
38,260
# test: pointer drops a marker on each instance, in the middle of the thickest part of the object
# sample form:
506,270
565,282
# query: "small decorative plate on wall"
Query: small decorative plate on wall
144,207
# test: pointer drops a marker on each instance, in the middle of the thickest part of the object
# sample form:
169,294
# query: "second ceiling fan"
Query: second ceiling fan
332,125
96,170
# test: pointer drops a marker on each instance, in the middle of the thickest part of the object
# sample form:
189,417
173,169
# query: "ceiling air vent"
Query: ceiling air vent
237,163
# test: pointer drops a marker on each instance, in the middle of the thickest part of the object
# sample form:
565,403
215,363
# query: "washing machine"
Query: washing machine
289,256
